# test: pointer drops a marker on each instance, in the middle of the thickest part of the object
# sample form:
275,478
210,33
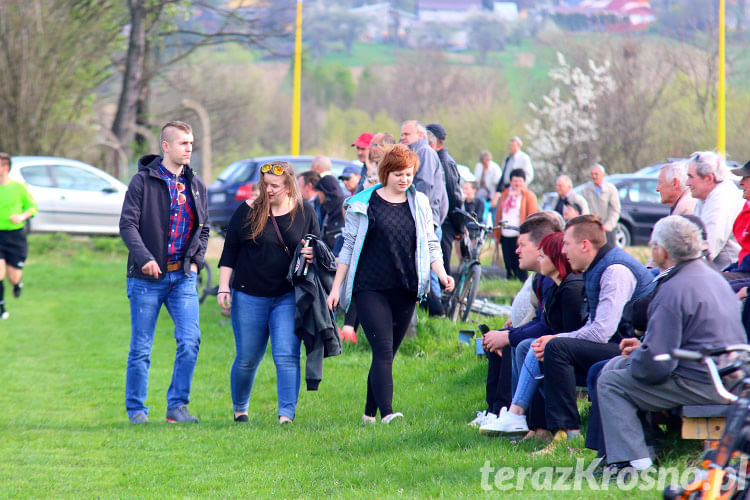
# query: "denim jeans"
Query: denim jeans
254,319
529,370
178,293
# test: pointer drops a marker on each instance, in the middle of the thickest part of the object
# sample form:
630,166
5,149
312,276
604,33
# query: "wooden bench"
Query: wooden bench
703,421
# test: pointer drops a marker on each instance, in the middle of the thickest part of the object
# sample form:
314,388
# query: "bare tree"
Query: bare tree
157,41
53,54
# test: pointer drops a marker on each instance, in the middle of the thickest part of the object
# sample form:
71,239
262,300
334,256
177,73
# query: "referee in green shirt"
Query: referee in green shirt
16,205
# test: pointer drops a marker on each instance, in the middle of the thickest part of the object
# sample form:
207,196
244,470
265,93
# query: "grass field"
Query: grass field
64,431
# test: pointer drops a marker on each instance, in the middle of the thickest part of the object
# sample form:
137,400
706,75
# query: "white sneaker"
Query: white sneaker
479,419
4,315
485,417
506,423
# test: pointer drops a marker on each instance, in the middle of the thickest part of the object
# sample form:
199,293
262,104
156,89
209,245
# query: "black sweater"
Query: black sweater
260,266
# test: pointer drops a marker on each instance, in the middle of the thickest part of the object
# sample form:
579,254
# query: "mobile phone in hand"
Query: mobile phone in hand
483,328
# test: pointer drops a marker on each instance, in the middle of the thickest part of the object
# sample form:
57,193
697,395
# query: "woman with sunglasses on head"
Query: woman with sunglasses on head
260,241
389,248
562,313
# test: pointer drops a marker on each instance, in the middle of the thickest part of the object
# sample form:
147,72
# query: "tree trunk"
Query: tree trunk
132,81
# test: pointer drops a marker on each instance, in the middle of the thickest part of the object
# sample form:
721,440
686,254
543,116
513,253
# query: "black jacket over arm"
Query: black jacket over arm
314,323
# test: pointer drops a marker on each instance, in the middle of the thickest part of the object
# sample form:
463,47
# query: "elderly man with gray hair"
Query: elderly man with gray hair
719,203
673,189
681,315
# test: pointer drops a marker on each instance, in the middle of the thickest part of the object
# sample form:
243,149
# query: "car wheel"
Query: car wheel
622,235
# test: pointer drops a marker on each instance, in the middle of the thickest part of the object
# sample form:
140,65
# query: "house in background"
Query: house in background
447,11
605,15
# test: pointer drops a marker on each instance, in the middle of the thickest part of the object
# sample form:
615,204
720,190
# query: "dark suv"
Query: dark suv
237,182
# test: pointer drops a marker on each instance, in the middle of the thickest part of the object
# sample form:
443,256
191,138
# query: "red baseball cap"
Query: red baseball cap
364,140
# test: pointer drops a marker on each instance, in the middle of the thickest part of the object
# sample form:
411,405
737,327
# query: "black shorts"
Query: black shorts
13,247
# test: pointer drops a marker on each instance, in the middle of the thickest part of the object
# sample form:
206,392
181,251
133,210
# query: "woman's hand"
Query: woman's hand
224,299
307,252
539,345
333,298
447,281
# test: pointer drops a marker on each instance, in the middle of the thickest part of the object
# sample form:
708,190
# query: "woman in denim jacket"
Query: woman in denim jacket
389,248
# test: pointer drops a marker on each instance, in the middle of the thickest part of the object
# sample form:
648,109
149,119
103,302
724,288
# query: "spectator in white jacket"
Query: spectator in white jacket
719,202
488,175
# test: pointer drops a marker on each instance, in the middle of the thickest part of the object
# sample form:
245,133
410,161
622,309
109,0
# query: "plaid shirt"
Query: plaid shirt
181,213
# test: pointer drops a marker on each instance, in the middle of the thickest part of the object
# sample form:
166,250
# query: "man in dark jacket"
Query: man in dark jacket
681,315
331,210
454,224
164,224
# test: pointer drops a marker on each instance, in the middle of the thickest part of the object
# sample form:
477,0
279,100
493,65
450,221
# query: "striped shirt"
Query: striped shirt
181,213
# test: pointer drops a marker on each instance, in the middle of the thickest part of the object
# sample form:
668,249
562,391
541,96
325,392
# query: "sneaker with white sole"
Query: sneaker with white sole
390,418
485,417
507,423
479,419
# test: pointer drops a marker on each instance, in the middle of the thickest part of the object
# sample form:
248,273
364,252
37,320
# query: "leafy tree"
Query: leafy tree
486,33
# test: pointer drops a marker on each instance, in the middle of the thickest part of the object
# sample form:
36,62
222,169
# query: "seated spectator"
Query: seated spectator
571,209
673,189
472,204
741,227
331,210
681,315
562,308
516,203
719,203
566,197
612,280
524,314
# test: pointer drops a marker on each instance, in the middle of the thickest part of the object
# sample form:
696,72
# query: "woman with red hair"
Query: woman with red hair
562,313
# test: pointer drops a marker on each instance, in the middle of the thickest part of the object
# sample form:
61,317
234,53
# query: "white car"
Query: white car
73,197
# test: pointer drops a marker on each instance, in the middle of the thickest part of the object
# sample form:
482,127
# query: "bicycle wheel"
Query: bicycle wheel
203,284
468,292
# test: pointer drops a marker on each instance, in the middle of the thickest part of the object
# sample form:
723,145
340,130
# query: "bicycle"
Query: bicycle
470,273
203,284
725,478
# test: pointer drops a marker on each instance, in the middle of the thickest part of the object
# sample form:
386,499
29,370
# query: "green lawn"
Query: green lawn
64,431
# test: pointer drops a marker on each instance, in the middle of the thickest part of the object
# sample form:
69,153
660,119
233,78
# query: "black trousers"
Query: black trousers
498,389
563,358
385,317
510,258
446,244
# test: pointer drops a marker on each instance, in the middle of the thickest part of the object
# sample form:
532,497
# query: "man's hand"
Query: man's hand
495,340
18,218
194,267
539,346
447,282
629,345
742,293
333,298
151,268
507,324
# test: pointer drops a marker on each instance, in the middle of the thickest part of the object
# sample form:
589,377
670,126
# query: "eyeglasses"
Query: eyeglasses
272,168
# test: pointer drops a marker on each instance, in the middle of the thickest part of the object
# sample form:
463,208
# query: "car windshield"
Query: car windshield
237,171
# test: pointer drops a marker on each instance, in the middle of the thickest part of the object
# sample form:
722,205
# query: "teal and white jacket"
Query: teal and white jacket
355,231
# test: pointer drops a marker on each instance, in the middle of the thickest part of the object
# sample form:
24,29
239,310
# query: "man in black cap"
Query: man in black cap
454,224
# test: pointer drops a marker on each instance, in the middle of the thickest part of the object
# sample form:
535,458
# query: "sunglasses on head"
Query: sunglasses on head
272,168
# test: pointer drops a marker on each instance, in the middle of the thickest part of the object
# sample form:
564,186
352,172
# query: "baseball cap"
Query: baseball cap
363,141
743,171
437,130
348,171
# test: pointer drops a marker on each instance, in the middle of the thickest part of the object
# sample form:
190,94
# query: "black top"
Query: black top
260,266
563,310
388,258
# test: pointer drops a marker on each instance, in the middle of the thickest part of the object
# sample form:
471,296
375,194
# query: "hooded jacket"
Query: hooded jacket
355,231
331,210
144,222
314,323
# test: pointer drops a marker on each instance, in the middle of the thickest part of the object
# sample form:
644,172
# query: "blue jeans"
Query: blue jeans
518,356
177,292
254,319
529,370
